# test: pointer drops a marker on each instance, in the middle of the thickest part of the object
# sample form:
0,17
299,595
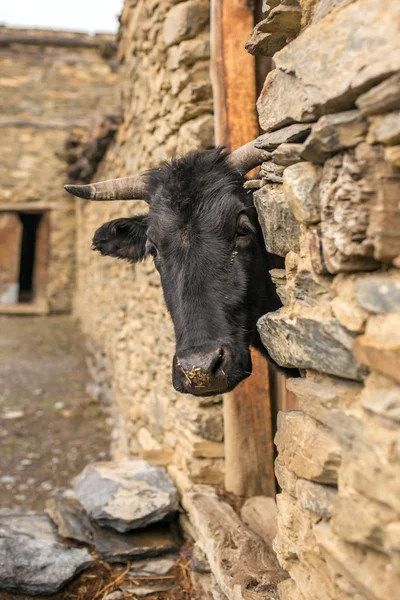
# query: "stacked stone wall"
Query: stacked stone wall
50,83
329,203
167,109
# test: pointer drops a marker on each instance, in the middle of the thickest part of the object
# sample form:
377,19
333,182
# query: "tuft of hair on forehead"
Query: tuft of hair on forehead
187,183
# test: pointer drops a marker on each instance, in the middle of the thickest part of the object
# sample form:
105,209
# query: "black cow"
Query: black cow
203,234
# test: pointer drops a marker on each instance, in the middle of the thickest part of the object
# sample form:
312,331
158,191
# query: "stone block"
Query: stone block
382,98
383,400
379,293
392,155
297,438
280,228
286,478
379,348
321,344
185,20
264,44
386,129
279,280
293,133
348,191
294,92
188,52
320,396
333,133
288,154
370,572
301,188
271,172
359,520
196,134
316,497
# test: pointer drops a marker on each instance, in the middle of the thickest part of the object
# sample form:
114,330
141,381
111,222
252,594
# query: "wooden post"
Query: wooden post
249,448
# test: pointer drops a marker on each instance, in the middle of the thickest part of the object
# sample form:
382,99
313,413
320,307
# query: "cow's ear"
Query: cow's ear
123,238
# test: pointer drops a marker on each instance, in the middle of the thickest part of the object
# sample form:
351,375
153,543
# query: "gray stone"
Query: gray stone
126,495
384,402
382,98
270,35
32,561
278,277
264,44
309,287
117,595
387,129
333,133
184,20
73,523
301,187
141,591
153,567
272,172
288,154
280,228
323,7
293,133
294,92
316,497
306,343
378,293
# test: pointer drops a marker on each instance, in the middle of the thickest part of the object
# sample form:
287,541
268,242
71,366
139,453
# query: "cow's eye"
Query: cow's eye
244,226
153,251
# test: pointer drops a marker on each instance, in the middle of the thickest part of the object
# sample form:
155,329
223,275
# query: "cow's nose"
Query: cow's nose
201,370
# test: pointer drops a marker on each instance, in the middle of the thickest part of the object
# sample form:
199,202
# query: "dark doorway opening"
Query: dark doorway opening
30,223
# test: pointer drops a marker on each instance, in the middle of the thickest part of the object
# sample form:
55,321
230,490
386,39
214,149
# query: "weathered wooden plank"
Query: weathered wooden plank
247,412
244,566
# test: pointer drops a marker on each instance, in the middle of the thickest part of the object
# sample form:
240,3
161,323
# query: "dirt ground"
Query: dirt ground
49,430
49,427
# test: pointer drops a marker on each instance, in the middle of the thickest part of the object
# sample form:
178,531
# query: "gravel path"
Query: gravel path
49,427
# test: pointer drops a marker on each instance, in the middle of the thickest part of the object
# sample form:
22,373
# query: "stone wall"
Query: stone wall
166,108
50,82
329,203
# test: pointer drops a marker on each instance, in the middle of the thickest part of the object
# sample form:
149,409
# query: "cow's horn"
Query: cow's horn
126,188
247,157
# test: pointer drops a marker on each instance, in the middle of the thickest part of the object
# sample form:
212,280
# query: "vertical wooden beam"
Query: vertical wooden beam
247,410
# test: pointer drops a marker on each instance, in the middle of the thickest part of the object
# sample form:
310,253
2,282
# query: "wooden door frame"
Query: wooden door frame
249,450
39,305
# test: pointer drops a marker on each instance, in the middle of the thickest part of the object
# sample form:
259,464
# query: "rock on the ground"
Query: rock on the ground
126,495
141,591
32,561
153,567
73,523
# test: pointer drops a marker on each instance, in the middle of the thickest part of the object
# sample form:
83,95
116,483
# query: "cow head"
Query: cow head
203,234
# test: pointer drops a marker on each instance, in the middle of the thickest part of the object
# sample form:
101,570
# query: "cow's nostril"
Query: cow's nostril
218,361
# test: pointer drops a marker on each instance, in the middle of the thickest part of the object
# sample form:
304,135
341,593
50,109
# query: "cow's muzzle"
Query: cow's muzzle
203,370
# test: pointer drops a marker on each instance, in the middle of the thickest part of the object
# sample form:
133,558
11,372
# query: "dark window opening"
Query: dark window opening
30,224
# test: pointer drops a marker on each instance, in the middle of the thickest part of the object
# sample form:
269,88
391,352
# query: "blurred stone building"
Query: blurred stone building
51,85
328,202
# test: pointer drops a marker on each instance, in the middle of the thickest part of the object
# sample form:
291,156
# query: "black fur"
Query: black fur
203,231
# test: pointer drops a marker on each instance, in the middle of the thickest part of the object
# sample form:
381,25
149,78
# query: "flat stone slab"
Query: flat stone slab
126,495
307,343
32,561
73,523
